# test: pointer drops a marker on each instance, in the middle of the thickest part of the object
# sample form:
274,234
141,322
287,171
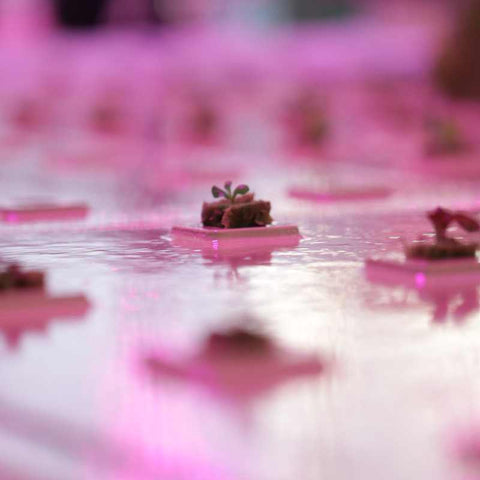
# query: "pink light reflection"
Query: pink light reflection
420,280
161,431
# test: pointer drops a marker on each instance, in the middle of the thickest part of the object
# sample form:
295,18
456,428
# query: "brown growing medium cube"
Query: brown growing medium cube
31,279
236,211
204,121
441,251
314,129
13,277
308,119
444,247
238,341
106,118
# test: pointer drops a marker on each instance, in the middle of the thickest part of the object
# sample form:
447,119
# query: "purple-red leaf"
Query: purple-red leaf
441,218
217,192
467,222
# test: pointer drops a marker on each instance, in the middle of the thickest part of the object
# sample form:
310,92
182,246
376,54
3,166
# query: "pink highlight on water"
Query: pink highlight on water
420,280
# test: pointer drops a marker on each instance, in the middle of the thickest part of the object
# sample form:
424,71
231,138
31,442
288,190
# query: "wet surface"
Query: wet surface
77,401
398,379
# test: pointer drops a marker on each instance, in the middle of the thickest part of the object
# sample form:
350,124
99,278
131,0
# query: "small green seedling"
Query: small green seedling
442,218
227,192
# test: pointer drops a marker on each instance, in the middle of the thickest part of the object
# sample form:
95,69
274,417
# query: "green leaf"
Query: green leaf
241,190
218,192
228,186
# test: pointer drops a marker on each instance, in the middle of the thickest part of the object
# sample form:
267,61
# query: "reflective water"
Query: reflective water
76,401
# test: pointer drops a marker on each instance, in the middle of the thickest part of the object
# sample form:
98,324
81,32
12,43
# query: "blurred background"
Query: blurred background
55,50
353,117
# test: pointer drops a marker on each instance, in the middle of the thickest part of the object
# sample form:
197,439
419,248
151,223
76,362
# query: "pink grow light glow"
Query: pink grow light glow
420,280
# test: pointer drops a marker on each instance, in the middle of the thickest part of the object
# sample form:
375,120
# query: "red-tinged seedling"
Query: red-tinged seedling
237,208
227,192
442,219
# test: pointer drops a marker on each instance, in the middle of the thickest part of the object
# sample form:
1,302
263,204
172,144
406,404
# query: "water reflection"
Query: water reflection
141,249
455,303
26,312
236,365
234,261
452,296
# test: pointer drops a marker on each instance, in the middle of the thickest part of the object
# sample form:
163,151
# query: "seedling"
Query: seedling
237,209
442,218
227,192
445,247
